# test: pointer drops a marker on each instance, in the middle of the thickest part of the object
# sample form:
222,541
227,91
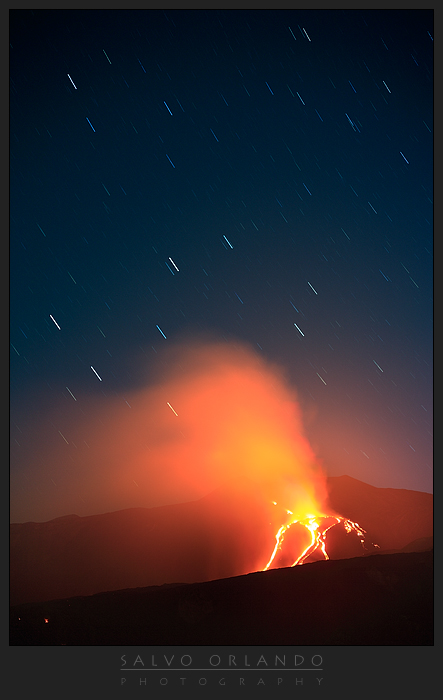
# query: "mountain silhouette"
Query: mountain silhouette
223,535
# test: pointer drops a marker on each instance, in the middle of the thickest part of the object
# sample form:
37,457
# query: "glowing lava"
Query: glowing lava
317,526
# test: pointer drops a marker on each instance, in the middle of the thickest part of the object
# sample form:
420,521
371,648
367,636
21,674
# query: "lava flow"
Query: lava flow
317,526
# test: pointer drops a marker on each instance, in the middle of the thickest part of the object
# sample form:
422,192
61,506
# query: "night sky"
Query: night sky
253,179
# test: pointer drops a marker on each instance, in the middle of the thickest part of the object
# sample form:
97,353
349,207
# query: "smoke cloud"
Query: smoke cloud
211,415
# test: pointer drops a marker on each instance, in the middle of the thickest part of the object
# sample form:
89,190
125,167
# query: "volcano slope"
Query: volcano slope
222,535
375,600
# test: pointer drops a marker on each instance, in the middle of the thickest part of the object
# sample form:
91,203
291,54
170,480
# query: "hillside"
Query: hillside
223,535
376,600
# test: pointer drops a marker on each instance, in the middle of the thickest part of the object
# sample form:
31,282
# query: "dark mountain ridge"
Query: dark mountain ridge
222,535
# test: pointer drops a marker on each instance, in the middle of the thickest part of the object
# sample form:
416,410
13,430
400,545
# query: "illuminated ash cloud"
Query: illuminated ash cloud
230,416
209,415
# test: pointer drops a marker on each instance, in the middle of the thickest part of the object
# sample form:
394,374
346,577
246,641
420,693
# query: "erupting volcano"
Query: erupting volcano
237,417
212,416
242,420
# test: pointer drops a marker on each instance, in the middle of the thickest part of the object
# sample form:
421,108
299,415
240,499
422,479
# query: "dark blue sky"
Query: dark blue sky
282,161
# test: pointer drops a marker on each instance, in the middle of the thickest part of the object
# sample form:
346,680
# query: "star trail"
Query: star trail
262,178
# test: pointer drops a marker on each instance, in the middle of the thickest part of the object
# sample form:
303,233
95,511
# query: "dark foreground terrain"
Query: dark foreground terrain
374,600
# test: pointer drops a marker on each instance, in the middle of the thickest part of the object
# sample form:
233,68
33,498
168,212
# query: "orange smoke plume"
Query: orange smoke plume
221,415
211,415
